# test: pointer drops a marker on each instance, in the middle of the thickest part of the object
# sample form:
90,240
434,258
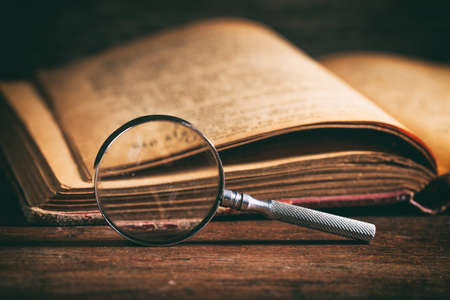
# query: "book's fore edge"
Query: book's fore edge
42,167
434,198
38,216
45,96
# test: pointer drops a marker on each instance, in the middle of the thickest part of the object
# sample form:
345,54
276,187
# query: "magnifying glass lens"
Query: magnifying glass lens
158,180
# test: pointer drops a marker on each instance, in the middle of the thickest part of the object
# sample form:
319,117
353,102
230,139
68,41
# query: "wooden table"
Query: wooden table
230,260
241,259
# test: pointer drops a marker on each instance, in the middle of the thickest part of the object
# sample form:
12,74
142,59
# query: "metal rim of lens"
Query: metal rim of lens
145,119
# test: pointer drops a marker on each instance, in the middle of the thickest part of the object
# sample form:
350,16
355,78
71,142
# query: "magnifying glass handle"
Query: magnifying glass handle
301,216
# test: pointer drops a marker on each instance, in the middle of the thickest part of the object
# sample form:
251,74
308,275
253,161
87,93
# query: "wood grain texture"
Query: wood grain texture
237,260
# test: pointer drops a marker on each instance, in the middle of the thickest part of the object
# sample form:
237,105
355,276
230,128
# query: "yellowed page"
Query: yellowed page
39,122
234,80
415,92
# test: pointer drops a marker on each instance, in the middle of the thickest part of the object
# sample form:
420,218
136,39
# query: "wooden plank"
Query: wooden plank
229,259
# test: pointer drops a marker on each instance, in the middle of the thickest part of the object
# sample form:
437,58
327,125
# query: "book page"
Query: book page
415,92
234,80
39,122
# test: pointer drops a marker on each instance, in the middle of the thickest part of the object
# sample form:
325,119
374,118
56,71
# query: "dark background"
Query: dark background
42,34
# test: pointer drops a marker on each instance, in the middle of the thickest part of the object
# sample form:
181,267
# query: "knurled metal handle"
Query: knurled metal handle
314,219
302,216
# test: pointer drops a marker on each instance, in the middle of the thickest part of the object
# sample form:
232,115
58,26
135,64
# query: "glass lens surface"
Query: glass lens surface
158,180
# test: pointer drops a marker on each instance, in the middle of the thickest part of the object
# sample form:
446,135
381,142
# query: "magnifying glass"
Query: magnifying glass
159,180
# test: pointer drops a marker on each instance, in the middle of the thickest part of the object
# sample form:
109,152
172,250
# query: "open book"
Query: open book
375,132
